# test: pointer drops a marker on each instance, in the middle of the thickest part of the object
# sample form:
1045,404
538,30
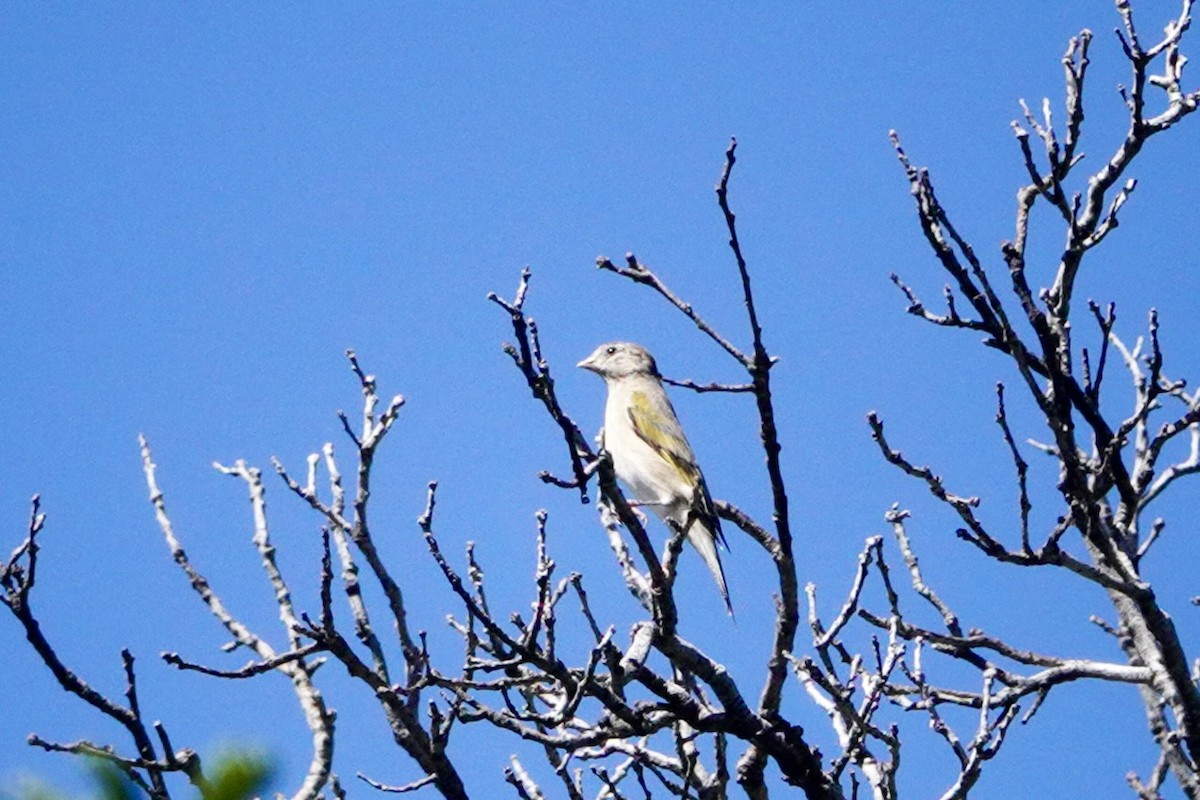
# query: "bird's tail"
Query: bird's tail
704,539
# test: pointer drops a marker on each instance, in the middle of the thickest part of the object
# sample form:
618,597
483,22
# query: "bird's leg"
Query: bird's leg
634,506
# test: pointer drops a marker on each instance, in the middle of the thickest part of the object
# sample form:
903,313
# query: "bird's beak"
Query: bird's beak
588,363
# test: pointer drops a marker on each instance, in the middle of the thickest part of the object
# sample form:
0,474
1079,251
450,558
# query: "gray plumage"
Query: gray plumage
650,451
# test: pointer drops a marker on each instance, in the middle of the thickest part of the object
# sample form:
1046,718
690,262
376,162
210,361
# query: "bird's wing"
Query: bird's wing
652,427
702,505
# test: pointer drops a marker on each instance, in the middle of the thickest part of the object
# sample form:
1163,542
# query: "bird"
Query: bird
650,452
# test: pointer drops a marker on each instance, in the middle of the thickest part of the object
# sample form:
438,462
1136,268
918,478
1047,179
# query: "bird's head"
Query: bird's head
620,360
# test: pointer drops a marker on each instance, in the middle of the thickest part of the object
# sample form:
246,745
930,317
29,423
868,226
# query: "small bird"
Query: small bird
650,452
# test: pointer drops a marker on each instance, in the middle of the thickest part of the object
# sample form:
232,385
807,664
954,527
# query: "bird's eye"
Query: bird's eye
610,350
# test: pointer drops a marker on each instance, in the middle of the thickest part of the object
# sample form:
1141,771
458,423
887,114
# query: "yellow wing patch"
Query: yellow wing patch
648,424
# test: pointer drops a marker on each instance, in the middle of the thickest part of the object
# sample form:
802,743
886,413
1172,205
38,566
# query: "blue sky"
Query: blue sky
201,208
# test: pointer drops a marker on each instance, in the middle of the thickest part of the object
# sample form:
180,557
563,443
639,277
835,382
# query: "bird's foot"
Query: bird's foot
635,507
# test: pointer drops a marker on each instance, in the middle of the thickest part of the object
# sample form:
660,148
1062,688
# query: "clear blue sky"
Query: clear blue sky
202,207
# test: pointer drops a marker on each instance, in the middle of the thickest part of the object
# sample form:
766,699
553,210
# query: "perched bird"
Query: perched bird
650,452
